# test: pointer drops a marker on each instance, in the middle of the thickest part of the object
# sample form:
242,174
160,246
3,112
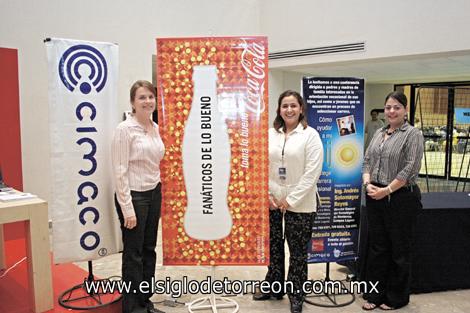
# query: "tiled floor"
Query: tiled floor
450,301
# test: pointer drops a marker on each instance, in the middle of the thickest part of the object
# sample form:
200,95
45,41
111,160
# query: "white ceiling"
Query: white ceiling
409,69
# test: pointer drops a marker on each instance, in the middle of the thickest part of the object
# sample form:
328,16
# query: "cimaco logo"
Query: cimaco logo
85,66
83,57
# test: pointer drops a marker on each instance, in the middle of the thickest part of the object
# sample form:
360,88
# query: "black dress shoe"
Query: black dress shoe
259,296
154,310
296,307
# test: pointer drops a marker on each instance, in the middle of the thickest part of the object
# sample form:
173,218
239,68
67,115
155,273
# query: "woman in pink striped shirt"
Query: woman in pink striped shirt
137,150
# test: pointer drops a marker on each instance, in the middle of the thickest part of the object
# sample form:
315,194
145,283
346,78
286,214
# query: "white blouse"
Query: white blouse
303,160
136,156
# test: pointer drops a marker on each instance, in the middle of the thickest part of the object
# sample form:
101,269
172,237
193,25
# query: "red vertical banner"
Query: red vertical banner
10,139
10,130
213,118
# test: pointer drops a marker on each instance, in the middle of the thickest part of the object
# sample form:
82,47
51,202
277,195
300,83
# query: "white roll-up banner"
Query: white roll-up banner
83,113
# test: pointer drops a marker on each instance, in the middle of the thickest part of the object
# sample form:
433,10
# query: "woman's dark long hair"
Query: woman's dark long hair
399,96
278,121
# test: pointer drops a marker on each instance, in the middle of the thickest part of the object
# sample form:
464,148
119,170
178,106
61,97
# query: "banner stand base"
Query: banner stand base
79,298
212,302
331,298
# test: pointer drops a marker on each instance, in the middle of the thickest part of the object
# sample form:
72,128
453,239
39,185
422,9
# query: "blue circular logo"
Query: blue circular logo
79,59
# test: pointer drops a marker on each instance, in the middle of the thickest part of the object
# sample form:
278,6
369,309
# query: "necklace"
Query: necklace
392,132
148,129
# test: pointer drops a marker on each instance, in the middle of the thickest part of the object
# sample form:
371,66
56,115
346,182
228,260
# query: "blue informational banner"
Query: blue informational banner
335,108
462,115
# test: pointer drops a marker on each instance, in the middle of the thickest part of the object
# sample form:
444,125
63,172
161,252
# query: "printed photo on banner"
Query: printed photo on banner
346,125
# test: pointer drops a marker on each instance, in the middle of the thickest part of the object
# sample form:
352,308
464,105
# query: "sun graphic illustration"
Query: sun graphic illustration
347,154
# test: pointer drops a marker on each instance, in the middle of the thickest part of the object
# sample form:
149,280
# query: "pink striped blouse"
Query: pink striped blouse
136,156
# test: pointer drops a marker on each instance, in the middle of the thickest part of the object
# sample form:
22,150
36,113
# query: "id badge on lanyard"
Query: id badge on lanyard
282,170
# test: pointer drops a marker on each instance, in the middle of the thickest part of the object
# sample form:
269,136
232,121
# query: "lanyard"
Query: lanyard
282,153
282,171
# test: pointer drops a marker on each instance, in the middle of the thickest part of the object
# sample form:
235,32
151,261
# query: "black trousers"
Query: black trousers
298,232
390,225
139,256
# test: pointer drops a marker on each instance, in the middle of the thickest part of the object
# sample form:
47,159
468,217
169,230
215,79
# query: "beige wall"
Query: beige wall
375,97
389,28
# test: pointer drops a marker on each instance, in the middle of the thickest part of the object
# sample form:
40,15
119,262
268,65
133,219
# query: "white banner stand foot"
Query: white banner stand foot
212,302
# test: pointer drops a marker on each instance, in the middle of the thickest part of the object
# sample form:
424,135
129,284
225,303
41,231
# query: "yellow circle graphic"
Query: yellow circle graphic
347,154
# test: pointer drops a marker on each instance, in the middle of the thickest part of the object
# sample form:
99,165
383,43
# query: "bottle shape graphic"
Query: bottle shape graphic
206,161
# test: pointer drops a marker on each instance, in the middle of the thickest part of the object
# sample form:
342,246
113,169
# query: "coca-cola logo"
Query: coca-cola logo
253,61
